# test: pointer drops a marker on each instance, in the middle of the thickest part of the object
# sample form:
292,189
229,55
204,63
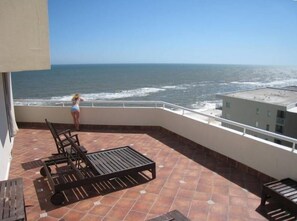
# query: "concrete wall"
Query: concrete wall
88,115
24,38
269,158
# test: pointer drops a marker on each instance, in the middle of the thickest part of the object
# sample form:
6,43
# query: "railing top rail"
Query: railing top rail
155,104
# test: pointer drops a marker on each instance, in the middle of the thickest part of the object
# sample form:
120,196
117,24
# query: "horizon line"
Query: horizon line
169,63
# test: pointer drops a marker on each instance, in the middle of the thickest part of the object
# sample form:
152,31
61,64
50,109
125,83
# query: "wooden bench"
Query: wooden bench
12,206
283,191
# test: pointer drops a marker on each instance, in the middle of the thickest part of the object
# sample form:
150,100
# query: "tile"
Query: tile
238,201
133,215
159,209
84,205
109,200
184,193
204,187
59,212
142,206
238,211
197,215
100,210
117,213
89,217
125,203
73,215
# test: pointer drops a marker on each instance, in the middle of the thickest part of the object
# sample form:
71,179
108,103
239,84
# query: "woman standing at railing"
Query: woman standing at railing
75,109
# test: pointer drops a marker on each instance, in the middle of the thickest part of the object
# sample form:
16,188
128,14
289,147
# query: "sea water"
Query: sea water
190,85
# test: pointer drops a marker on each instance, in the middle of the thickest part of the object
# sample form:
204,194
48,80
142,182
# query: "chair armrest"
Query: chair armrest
74,137
68,131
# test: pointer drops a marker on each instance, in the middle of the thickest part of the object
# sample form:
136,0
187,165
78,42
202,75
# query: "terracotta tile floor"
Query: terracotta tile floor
199,186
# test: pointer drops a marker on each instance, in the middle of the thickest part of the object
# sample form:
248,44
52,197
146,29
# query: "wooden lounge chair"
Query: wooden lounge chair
283,191
94,167
61,142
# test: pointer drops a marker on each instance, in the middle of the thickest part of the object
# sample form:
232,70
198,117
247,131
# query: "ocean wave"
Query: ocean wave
206,105
178,87
277,83
39,102
139,92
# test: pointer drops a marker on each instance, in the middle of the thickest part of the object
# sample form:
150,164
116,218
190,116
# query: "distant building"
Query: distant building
271,109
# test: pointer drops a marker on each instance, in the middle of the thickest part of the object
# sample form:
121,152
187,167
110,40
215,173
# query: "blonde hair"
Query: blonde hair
75,97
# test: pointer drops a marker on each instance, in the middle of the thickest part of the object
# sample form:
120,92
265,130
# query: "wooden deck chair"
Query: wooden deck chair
88,168
61,141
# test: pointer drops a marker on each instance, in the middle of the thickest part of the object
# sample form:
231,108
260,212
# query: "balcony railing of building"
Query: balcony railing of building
245,129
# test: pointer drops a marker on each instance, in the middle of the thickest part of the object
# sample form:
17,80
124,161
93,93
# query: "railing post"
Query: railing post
244,131
209,120
293,147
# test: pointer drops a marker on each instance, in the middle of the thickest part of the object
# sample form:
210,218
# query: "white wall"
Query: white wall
5,142
266,157
24,38
88,115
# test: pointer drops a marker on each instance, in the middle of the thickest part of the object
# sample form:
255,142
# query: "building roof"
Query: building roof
277,96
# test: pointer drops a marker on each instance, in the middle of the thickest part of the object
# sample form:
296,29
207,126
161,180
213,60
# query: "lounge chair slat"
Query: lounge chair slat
99,165
141,160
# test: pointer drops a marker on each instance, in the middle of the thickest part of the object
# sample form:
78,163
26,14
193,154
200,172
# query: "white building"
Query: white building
24,45
271,109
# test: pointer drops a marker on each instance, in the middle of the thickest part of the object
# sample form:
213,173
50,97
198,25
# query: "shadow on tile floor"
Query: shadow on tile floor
87,191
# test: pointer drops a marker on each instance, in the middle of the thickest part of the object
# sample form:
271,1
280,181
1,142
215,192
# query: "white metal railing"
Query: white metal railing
157,104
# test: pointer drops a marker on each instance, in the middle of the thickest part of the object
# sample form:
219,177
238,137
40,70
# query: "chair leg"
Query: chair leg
264,197
153,173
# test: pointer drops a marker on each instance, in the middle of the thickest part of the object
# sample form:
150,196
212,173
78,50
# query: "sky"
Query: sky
258,32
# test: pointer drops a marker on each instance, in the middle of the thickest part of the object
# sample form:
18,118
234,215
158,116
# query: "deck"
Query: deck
189,178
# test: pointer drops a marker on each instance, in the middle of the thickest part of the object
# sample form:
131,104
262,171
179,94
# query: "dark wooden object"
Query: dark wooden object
283,191
174,215
95,167
12,206
61,142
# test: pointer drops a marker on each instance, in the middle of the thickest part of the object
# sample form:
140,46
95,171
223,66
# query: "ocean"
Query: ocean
189,85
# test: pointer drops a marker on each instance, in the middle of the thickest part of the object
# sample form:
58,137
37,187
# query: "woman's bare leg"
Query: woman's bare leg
77,120
75,116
